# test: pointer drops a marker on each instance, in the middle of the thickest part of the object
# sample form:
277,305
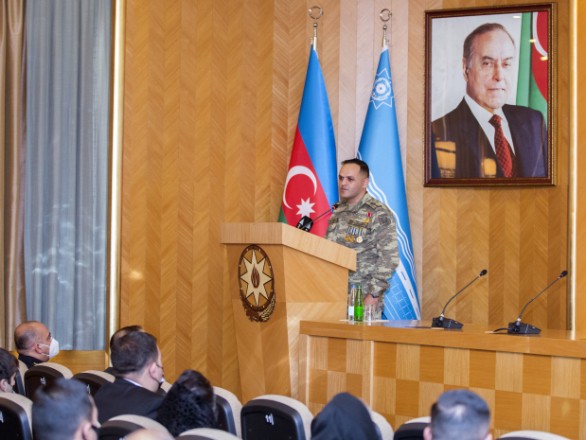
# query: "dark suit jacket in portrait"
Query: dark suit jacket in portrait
528,131
124,397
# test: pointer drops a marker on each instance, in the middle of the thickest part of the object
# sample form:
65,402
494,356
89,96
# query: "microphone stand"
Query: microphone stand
305,223
448,323
522,328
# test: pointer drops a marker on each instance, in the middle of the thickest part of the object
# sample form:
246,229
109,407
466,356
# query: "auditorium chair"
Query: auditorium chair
275,417
43,374
228,407
206,434
384,428
15,417
122,425
94,379
20,388
532,435
412,429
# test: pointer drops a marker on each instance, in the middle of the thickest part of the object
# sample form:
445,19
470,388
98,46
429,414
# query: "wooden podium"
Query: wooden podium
307,278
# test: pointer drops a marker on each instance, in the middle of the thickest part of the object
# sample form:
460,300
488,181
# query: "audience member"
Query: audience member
117,335
459,414
189,404
8,369
34,343
64,410
344,417
139,366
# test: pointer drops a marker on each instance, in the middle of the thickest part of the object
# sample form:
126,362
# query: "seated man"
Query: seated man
8,369
459,414
34,343
138,363
64,410
117,335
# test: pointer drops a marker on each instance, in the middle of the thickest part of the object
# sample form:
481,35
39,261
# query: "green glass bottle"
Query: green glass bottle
359,304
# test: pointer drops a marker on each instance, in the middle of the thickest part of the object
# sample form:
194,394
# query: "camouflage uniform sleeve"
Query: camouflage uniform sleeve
387,249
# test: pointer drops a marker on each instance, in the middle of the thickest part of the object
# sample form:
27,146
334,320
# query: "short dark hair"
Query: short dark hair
60,408
8,365
363,165
133,352
480,30
123,331
25,334
459,414
189,404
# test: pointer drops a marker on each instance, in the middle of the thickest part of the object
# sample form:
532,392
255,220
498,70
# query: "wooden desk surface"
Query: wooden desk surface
400,368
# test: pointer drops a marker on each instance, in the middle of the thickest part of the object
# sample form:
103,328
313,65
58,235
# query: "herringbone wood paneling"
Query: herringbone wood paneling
212,95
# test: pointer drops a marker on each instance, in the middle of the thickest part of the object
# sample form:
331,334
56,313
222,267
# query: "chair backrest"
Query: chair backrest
532,435
20,388
276,417
206,434
412,429
15,417
228,408
94,379
383,427
43,374
122,425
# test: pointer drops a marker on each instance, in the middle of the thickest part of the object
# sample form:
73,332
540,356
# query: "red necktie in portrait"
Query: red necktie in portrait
504,154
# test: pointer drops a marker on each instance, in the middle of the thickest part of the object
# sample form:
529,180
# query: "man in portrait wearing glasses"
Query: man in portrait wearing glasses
138,363
491,138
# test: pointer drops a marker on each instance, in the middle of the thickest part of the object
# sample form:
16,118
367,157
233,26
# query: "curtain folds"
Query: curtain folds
66,186
12,293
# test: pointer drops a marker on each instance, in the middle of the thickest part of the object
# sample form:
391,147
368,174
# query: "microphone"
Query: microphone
305,223
447,323
521,328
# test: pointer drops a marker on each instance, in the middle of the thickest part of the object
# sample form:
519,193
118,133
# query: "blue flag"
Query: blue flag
380,149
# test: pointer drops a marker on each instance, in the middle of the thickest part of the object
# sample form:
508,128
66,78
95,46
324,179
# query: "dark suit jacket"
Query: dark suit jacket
123,397
472,146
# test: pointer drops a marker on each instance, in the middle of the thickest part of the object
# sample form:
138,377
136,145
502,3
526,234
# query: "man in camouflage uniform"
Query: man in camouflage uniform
366,225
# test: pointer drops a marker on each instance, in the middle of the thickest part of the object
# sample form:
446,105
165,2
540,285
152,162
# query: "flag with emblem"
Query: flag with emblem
380,149
311,186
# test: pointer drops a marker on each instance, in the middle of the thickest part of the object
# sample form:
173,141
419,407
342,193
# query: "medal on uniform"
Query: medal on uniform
359,239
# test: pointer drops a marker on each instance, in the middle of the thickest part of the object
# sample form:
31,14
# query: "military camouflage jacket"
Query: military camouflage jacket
368,228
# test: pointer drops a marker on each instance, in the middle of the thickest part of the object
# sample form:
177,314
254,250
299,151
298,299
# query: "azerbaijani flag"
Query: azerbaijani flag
311,187
380,149
533,62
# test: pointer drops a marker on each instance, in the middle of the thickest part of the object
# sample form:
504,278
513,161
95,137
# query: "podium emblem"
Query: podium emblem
256,281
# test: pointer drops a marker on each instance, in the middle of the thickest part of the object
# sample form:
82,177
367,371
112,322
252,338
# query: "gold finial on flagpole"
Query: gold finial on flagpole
385,16
315,13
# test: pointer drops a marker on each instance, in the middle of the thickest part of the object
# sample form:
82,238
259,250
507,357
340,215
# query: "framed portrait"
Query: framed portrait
488,96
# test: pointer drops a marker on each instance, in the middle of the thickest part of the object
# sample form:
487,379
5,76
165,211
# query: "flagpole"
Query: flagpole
320,12
385,16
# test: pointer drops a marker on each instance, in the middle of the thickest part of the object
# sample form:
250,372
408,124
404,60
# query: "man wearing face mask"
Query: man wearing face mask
34,343
8,369
138,363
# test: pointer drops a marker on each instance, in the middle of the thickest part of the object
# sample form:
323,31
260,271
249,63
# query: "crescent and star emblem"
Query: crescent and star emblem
296,171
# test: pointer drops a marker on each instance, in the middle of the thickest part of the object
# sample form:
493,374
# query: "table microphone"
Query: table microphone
305,223
448,323
521,328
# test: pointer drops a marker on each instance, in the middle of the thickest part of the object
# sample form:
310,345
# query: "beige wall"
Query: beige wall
212,94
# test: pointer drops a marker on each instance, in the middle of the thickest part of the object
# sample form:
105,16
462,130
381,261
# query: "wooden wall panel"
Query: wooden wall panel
212,95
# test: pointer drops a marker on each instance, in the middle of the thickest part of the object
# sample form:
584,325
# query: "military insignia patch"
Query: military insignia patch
256,281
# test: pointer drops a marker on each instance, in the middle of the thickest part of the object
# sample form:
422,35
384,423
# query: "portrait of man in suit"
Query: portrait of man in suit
485,136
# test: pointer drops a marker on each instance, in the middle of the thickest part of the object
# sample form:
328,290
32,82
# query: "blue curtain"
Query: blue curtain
66,175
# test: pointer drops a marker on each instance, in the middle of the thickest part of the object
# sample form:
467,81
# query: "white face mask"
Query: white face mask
53,348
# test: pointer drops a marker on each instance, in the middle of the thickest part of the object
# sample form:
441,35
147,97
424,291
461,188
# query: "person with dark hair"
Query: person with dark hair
363,223
34,343
189,404
345,417
138,363
491,138
64,410
8,369
123,331
459,414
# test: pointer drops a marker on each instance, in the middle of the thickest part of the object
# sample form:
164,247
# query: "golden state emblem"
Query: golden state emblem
256,281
